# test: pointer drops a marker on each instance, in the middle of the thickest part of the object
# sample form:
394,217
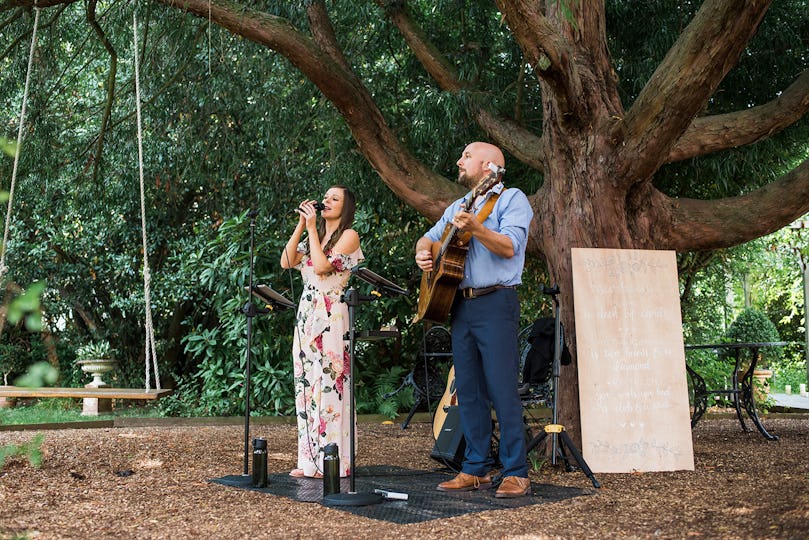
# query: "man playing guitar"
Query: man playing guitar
485,316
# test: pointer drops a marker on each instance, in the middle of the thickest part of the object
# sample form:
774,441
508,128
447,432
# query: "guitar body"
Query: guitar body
449,399
438,287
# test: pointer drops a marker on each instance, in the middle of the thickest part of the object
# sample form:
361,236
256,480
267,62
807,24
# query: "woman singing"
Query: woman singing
320,353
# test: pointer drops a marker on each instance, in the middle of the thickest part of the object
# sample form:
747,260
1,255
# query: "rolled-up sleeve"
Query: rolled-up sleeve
515,219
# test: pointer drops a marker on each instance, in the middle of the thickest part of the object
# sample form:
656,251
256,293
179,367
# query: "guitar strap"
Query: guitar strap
464,237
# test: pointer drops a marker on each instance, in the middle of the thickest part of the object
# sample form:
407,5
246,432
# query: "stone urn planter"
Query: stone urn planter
97,360
97,367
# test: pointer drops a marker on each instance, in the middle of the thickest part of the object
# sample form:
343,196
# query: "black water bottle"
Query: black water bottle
259,463
331,469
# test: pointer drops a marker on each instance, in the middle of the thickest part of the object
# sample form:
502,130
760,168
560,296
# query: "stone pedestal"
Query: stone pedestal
95,406
96,368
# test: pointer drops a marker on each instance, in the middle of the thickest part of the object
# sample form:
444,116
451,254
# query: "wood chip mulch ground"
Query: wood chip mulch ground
153,482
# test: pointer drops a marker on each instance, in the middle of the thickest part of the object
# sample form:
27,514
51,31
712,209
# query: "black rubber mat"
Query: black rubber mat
423,502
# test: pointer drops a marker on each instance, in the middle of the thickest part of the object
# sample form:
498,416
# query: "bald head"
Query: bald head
473,166
489,153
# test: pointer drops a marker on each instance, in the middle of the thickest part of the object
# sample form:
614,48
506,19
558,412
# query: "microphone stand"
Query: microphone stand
250,310
353,299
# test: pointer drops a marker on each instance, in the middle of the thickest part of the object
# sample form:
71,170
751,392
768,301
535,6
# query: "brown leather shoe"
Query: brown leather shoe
466,482
513,486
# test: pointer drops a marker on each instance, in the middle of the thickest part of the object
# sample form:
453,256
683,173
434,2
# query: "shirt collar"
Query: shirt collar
497,189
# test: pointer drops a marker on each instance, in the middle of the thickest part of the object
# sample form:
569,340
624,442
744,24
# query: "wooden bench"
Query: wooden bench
99,393
94,400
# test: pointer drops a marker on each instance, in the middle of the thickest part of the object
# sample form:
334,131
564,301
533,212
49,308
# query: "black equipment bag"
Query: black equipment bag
538,366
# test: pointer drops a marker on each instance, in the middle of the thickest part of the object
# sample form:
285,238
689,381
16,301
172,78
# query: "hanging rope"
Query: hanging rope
209,37
151,354
3,268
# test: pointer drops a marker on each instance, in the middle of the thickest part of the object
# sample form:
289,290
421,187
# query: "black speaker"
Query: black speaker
450,445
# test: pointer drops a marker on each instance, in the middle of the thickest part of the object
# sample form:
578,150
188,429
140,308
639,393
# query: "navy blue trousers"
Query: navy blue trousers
486,358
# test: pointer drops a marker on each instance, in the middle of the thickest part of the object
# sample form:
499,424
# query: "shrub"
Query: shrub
753,326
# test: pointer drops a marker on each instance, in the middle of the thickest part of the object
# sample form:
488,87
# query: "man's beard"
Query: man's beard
464,180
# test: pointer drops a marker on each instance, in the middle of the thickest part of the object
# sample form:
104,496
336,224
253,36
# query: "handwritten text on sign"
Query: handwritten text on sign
632,383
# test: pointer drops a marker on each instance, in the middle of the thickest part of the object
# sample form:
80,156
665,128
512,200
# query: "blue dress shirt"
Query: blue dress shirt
510,216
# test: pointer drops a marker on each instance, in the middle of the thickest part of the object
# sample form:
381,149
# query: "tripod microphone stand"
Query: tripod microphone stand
560,440
353,299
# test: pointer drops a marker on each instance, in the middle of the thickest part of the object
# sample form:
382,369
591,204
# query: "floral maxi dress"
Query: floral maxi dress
321,362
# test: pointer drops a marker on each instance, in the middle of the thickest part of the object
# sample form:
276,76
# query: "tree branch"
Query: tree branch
323,32
701,225
439,68
547,51
684,81
512,137
713,133
506,133
10,19
27,35
415,184
105,117
6,5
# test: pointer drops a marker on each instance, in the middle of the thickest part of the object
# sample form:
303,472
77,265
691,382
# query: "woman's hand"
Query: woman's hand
307,212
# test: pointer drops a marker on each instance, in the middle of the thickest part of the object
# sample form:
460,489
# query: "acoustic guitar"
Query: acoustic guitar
449,399
439,285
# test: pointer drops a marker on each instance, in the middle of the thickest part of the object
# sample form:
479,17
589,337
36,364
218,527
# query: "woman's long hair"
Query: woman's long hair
346,218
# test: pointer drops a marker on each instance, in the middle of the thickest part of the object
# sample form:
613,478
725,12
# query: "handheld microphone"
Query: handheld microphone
318,206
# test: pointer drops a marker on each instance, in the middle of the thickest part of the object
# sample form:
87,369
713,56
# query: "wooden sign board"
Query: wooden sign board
633,390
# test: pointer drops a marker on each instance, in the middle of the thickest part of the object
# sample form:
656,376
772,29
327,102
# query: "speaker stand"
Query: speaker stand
559,437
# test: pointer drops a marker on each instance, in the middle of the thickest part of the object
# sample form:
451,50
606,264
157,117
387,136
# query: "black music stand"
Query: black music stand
382,287
561,441
273,301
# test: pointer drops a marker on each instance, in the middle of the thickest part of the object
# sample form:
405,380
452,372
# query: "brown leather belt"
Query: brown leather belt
469,292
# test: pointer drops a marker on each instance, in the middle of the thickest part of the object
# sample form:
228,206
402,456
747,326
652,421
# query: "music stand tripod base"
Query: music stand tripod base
352,499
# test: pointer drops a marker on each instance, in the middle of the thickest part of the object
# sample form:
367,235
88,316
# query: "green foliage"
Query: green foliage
8,147
371,397
228,127
26,306
713,368
99,350
752,326
788,371
63,410
20,343
703,300
13,358
39,374
31,450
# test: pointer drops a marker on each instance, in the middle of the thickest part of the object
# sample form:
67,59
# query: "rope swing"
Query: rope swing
151,355
18,151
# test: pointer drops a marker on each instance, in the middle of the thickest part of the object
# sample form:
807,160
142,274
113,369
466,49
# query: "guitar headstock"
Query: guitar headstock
490,181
